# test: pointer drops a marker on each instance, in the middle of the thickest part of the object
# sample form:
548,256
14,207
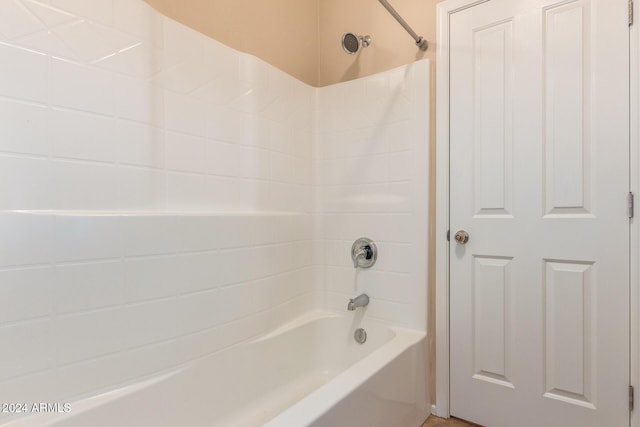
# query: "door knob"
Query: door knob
461,237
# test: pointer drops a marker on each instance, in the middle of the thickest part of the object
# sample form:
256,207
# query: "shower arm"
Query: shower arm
421,42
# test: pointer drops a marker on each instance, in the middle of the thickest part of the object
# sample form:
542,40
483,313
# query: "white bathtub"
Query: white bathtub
309,372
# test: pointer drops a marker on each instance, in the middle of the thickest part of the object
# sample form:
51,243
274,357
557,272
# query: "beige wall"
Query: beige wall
302,37
391,45
283,33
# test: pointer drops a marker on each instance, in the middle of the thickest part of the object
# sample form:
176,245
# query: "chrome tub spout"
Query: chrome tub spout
359,301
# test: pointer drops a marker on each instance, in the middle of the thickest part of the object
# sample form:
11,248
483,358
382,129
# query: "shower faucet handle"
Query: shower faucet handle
364,253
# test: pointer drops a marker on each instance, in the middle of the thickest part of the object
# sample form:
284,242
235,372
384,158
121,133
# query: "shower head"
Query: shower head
351,42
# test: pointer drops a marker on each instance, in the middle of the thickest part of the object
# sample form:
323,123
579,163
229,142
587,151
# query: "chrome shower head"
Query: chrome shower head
351,42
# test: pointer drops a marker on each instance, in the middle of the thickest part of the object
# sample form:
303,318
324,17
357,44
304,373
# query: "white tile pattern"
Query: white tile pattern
188,195
373,176
82,291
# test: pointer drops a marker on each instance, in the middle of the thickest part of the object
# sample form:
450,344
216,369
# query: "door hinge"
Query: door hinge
448,235
631,398
630,12
630,205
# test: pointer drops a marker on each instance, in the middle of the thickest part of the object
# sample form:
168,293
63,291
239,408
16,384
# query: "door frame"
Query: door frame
444,10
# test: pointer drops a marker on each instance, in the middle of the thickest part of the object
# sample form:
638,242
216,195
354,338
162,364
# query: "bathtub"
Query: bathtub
308,372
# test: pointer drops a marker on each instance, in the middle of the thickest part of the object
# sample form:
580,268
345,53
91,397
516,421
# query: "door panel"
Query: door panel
491,339
492,49
539,148
569,331
567,106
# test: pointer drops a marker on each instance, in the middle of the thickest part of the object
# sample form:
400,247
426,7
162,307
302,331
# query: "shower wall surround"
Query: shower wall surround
115,123
135,111
163,197
373,166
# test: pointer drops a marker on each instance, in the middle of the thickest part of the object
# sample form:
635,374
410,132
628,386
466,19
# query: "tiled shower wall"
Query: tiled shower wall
115,123
373,166
176,197
134,111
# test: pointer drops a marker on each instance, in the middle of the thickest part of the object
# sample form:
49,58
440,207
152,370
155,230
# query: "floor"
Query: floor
434,421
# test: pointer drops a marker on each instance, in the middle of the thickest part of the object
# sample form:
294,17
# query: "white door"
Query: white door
539,148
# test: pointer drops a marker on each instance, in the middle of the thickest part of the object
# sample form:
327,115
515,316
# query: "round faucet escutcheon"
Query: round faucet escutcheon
364,253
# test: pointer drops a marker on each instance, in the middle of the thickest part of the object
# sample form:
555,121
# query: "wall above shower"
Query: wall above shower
280,32
393,46
302,37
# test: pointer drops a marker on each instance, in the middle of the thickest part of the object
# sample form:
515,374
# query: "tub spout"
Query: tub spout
359,301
